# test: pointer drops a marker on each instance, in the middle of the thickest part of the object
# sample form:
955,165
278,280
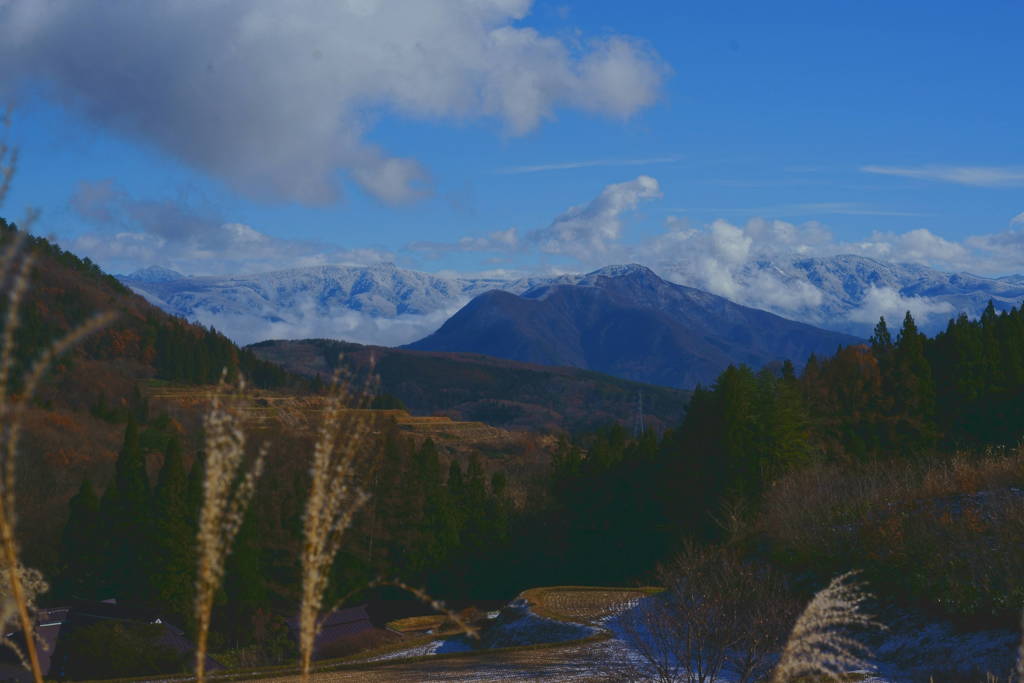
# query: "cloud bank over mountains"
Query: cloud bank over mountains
799,271
275,98
769,264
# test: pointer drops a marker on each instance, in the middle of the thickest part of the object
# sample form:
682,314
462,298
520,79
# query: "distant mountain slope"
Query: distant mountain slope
384,304
628,322
499,392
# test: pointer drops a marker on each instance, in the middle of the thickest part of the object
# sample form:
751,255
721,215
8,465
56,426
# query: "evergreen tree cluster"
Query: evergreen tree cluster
618,505
963,388
191,354
613,505
44,248
135,543
978,370
432,525
445,527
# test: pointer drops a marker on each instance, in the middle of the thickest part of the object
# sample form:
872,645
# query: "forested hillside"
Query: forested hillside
885,457
777,462
500,392
75,426
143,342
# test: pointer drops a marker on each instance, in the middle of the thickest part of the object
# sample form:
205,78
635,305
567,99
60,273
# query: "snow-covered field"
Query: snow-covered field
598,643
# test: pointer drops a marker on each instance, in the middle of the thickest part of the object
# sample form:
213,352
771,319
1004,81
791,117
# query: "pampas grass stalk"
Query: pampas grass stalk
32,584
21,585
334,499
1019,669
819,644
439,605
228,488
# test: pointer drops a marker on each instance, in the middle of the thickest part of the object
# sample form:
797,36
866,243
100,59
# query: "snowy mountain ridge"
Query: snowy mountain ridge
389,305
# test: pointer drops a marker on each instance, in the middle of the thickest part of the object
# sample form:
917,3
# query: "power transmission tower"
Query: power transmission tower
638,419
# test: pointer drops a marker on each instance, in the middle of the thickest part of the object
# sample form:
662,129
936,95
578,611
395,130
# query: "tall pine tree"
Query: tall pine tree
81,549
126,515
173,562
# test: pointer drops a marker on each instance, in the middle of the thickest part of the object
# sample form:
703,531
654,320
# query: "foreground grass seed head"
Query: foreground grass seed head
334,499
820,644
228,487
33,584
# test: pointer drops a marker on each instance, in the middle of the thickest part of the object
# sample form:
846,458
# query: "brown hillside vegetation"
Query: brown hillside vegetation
282,416
75,425
472,387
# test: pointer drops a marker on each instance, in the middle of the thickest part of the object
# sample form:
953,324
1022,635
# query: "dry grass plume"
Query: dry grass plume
227,489
334,499
33,584
820,644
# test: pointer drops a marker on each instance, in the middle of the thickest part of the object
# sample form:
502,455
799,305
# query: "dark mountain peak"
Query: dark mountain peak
629,280
627,321
633,270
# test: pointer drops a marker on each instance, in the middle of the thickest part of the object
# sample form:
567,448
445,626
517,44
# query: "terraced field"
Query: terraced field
270,408
584,604
576,660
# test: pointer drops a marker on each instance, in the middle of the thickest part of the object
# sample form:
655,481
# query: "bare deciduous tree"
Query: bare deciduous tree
717,611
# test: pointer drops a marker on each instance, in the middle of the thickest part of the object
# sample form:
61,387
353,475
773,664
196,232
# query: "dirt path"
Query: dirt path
570,662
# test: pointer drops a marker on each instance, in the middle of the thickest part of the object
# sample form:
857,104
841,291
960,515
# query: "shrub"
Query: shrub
114,649
717,609
945,532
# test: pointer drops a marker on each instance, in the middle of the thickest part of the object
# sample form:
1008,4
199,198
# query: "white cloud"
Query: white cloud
132,233
981,176
569,165
886,301
917,246
587,231
1018,219
1001,252
349,325
717,259
275,97
498,240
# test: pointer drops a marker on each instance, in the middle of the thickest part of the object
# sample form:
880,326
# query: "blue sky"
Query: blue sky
507,136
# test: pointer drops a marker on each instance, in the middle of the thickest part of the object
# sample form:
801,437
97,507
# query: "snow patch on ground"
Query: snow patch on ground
912,648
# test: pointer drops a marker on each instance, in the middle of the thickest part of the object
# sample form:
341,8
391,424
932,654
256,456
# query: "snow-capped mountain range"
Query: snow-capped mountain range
388,305
380,304
848,293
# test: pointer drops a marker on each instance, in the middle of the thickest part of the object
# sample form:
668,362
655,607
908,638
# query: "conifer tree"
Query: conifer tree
881,340
913,389
126,513
456,484
172,572
81,548
785,422
244,585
